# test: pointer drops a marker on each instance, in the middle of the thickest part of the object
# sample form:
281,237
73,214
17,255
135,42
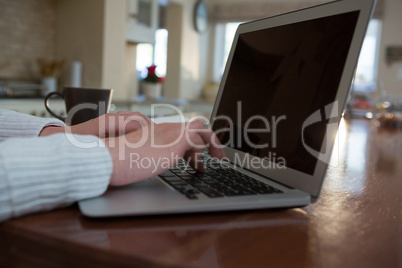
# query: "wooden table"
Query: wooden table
357,222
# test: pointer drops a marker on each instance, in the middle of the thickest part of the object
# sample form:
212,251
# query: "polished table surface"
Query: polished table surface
356,222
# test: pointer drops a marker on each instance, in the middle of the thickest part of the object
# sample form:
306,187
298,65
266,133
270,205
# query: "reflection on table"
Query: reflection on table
356,222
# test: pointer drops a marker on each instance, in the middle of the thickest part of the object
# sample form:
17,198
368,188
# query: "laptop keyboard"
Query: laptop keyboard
216,181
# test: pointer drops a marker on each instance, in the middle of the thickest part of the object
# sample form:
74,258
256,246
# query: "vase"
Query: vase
152,90
49,84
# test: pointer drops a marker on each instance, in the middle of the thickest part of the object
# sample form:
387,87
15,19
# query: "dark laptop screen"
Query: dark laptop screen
279,77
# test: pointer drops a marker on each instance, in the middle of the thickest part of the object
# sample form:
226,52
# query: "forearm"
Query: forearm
108,125
50,130
13,124
39,174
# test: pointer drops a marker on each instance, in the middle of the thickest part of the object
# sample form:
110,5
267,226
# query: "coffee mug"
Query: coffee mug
82,104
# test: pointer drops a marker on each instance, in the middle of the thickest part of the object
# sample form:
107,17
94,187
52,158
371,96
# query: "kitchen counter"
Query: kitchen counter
149,107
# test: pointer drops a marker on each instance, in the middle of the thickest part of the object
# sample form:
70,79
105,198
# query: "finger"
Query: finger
194,160
124,112
132,121
136,116
209,138
127,114
194,155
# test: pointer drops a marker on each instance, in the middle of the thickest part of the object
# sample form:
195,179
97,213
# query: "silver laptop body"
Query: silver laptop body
277,112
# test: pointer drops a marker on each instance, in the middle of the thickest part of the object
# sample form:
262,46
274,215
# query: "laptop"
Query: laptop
279,105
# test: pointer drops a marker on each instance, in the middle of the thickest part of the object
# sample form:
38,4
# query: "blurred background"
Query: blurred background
48,44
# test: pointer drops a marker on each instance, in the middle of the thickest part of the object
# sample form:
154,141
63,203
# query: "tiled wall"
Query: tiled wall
27,32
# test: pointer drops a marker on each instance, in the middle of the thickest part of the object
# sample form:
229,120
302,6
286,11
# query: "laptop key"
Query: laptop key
188,168
199,184
214,184
181,173
237,187
187,177
177,183
218,177
209,192
182,190
191,196
228,182
202,176
241,192
167,173
263,190
217,182
193,191
210,173
172,179
193,181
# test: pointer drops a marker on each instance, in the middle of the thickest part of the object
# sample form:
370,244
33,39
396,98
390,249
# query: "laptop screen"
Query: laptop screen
277,78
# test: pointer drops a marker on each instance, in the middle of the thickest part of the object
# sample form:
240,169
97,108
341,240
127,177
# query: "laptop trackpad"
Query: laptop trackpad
134,198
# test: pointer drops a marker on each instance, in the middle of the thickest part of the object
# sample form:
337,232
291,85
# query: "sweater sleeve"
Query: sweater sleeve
14,124
43,173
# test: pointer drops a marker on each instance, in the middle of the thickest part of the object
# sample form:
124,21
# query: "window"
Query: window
366,71
224,35
148,54
144,58
230,31
160,56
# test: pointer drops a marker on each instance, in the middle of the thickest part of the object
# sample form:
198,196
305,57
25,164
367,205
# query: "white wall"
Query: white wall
114,49
391,36
187,60
93,32
79,36
174,22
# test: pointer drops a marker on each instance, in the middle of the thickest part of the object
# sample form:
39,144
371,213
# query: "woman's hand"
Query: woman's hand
108,125
156,147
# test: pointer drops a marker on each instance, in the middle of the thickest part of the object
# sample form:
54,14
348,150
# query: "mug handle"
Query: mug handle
47,105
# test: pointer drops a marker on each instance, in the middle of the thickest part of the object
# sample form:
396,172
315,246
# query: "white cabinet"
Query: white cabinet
34,107
142,21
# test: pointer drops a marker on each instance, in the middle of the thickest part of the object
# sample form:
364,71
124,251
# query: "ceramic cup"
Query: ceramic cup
82,104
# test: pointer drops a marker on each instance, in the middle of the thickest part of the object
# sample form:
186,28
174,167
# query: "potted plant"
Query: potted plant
152,84
50,71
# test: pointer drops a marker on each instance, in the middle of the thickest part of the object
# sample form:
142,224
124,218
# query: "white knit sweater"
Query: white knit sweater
43,173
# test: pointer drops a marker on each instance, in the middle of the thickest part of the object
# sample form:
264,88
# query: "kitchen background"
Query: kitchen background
109,44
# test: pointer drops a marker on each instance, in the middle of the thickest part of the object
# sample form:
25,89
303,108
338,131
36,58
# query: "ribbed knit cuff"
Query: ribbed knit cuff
14,124
39,174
